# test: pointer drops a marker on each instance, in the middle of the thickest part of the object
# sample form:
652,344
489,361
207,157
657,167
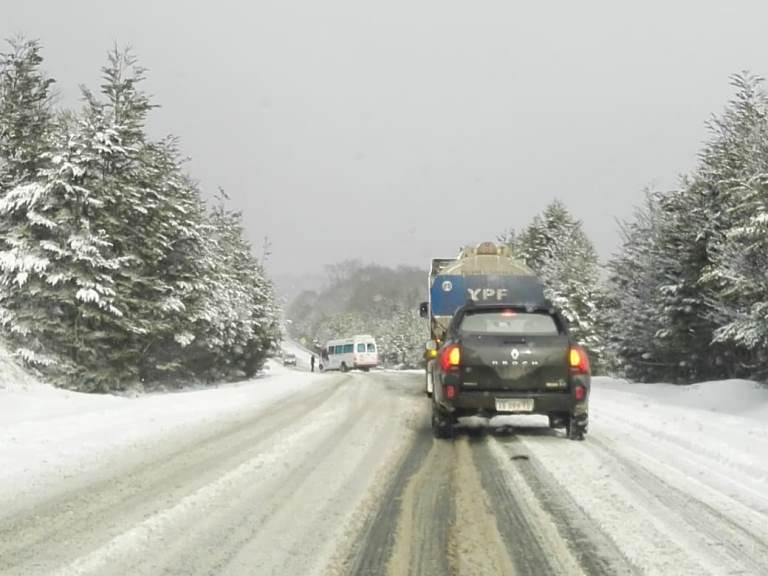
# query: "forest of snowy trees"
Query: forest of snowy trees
112,268
685,296
365,299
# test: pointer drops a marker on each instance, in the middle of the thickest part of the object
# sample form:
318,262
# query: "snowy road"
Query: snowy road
341,476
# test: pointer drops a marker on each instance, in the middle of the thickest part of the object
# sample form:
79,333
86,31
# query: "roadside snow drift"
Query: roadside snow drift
46,431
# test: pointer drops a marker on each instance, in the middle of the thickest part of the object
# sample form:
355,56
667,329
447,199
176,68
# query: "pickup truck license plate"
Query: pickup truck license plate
514,405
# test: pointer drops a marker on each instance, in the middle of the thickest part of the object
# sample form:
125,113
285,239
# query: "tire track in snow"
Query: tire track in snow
533,544
588,545
374,547
55,532
747,486
734,548
426,513
255,527
609,503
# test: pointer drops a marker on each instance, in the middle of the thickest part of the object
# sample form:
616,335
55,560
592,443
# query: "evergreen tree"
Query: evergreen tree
556,247
26,132
238,319
26,116
734,170
111,270
705,294
633,299
57,271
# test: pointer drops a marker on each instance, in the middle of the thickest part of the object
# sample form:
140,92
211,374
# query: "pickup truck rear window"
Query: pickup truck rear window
507,322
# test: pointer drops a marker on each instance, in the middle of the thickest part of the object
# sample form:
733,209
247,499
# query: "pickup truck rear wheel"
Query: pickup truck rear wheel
442,423
576,427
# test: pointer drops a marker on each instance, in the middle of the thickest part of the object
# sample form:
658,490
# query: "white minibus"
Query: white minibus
354,353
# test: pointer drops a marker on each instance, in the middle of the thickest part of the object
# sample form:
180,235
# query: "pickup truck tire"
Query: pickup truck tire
442,423
575,428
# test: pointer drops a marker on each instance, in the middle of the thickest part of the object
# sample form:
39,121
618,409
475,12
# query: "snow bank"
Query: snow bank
46,433
716,432
12,376
735,397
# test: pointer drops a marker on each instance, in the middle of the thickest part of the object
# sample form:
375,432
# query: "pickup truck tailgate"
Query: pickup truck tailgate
500,362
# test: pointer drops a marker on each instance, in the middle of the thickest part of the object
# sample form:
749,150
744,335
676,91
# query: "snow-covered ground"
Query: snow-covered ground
670,480
676,475
723,423
275,473
46,432
43,428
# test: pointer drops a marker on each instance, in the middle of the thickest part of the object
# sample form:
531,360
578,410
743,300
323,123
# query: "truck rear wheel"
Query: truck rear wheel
344,367
576,427
442,423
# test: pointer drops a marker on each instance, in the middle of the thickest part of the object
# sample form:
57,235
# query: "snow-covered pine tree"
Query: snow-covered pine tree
632,299
734,170
687,220
739,268
707,256
54,267
537,242
101,275
237,323
57,269
26,115
154,217
556,247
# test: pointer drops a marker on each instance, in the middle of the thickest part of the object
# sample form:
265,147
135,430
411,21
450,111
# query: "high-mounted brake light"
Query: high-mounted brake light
450,358
578,360
508,313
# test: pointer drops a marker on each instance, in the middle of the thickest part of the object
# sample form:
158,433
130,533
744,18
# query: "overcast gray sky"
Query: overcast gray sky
396,131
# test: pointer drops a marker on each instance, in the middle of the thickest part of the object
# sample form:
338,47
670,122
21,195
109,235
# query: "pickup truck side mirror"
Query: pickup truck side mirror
424,309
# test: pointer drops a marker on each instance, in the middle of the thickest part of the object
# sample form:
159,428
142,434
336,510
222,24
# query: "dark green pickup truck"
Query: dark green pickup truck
506,359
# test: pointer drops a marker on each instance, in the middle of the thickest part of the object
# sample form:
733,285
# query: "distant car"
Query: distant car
289,359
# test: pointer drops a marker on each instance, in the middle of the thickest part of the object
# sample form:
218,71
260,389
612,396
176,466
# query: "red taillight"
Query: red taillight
578,360
450,391
580,393
450,359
